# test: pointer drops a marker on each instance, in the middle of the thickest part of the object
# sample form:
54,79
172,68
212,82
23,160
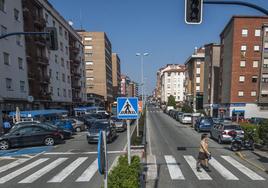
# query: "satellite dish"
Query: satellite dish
70,23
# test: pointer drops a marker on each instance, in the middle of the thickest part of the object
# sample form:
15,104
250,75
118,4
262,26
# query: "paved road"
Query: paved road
173,149
73,164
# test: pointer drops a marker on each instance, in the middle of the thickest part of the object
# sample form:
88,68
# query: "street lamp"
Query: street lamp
142,84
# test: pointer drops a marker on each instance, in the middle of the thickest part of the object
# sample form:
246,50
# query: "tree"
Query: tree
187,109
171,101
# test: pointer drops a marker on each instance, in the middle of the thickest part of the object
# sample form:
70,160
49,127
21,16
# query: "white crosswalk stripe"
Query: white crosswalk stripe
22,170
68,170
192,163
252,175
173,168
89,172
222,170
12,165
43,171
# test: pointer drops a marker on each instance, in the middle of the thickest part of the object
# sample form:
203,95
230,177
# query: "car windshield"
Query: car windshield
232,127
187,115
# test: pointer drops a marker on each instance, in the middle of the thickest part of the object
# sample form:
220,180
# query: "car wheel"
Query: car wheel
4,145
49,141
219,140
78,129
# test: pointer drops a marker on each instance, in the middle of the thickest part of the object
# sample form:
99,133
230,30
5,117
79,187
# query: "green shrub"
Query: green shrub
187,109
124,175
247,128
171,101
263,132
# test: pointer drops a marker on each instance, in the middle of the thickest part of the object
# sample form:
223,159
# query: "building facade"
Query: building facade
116,66
243,67
98,60
125,80
172,78
194,79
211,79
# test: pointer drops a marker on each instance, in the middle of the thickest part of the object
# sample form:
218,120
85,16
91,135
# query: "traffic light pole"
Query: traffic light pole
264,11
23,33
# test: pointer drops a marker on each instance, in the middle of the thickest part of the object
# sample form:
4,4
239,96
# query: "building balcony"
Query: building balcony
76,62
41,41
39,21
76,87
76,74
45,79
31,76
74,49
42,60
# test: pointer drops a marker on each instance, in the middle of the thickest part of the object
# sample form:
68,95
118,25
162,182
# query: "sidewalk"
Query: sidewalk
257,158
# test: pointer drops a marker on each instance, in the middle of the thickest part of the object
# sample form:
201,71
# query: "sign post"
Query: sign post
127,108
102,157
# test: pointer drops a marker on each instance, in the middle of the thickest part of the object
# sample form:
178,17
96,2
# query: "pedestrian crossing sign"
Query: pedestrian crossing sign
127,108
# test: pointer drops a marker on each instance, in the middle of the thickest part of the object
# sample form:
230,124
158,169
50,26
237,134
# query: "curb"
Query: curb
239,154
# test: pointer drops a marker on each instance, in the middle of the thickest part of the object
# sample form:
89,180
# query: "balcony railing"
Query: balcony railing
39,21
42,60
44,79
74,49
77,87
39,40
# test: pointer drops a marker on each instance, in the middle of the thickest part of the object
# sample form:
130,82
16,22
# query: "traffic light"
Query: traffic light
193,11
52,38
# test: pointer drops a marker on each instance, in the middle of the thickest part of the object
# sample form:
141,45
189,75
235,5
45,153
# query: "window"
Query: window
256,48
197,70
89,63
63,77
253,93
168,86
2,5
197,80
18,40
56,59
22,86
62,62
241,78
66,50
198,62
243,48
6,58
70,93
51,90
65,35
9,83
57,75
20,63
67,64
3,30
242,63
50,73
68,80
240,93
61,46
88,38
46,17
255,64
244,32
266,46
265,78
257,32
168,80
16,15
169,74
88,47
58,91
54,23
265,63
64,92
197,88
254,79
266,31
87,55
60,30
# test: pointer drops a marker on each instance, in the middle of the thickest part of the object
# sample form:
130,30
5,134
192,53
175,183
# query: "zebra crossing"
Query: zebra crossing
45,166
65,168
176,171
155,111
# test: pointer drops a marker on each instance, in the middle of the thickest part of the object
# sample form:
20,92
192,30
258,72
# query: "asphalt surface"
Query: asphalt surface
173,149
67,165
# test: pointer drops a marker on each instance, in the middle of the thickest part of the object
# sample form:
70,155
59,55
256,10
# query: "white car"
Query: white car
186,118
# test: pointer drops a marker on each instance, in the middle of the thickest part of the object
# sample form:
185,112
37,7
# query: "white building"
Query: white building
13,68
172,78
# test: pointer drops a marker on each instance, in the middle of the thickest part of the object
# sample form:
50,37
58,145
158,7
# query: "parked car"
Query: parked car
89,119
186,118
98,125
221,131
120,124
30,135
178,115
203,124
77,124
64,124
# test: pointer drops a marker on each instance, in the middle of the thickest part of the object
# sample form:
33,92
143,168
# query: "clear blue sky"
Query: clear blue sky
154,26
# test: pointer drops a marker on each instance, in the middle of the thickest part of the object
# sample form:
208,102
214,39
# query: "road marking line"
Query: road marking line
149,135
68,170
192,163
22,170
152,167
252,175
173,168
43,171
222,170
12,164
89,172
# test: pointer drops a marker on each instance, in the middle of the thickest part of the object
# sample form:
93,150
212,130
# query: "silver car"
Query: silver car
221,131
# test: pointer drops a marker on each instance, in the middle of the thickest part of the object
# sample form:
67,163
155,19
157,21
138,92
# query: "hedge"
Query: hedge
124,175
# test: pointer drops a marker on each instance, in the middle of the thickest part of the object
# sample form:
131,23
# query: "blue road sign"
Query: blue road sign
127,108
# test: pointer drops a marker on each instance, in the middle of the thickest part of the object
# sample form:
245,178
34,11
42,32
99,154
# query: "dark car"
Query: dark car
89,119
47,125
30,135
99,125
204,124
120,124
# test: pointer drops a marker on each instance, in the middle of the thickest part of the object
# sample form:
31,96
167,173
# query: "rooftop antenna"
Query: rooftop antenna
80,17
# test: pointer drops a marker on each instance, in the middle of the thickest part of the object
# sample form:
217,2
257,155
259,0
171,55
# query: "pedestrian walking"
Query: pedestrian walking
203,155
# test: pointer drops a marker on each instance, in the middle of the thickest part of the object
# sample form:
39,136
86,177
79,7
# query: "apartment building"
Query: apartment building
211,79
172,78
13,68
158,85
132,89
125,80
98,61
194,79
116,66
243,67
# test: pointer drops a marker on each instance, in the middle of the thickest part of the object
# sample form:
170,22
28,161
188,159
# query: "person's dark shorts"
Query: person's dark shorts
202,156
